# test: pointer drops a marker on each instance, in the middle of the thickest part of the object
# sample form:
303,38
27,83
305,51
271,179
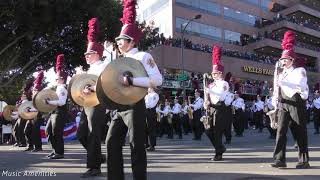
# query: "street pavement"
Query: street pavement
247,158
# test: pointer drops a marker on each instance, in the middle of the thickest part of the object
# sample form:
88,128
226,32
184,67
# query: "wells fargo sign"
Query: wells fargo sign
258,70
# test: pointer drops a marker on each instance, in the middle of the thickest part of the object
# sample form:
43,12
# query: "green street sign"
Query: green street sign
183,77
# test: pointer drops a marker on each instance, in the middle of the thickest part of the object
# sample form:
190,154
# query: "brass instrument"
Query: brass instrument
206,119
233,109
158,117
273,114
190,110
169,118
7,112
24,111
39,100
78,84
265,109
114,94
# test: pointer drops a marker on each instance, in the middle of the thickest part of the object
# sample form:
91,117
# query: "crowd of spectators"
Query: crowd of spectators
226,52
252,56
309,23
277,37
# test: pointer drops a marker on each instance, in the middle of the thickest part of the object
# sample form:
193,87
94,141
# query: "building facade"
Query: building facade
249,31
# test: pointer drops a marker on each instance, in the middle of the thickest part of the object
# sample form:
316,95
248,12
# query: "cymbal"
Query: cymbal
70,84
7,112
111,89
77,87
39,100
23,111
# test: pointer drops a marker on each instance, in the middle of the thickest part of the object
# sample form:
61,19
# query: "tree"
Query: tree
33,32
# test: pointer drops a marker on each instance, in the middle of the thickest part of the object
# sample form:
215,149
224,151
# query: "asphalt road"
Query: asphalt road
247,158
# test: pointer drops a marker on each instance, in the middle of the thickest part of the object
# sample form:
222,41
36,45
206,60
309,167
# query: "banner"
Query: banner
69,132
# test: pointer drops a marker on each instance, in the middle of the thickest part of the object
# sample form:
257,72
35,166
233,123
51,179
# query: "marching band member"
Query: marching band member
164,123
316,111
258,108
239,107
176,122
217,92
18,130
228,114
33,125
57,120
197,126
151,100
268,105
292,88
135,117
93,122
185,117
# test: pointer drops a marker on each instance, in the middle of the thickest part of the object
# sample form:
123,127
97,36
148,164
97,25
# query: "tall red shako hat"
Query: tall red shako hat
288,43
216,60
93,33
129,29
60,69
37,84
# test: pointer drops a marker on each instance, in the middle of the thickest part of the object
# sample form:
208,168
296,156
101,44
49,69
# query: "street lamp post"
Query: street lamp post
183,29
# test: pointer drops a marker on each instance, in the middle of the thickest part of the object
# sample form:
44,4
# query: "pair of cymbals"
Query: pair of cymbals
76,86
40,98
113,93
24,112
7,112
109,90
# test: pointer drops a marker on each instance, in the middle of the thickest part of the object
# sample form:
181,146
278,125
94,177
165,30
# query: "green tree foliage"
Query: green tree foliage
33,32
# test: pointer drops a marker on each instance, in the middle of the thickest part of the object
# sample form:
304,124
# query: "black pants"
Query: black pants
32,132
259,120
316,119
54,128
292,110
164,126
228,119
216,130
28,133
238,123
186,124
132,121
176,124
197,126
18,131
151,127
91,130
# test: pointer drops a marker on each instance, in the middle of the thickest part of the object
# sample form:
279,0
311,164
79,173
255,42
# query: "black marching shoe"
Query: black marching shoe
317,132
151,148
51,154
22,145
56,156
303,165
36,150
28,149
91,173
278,164
217,157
